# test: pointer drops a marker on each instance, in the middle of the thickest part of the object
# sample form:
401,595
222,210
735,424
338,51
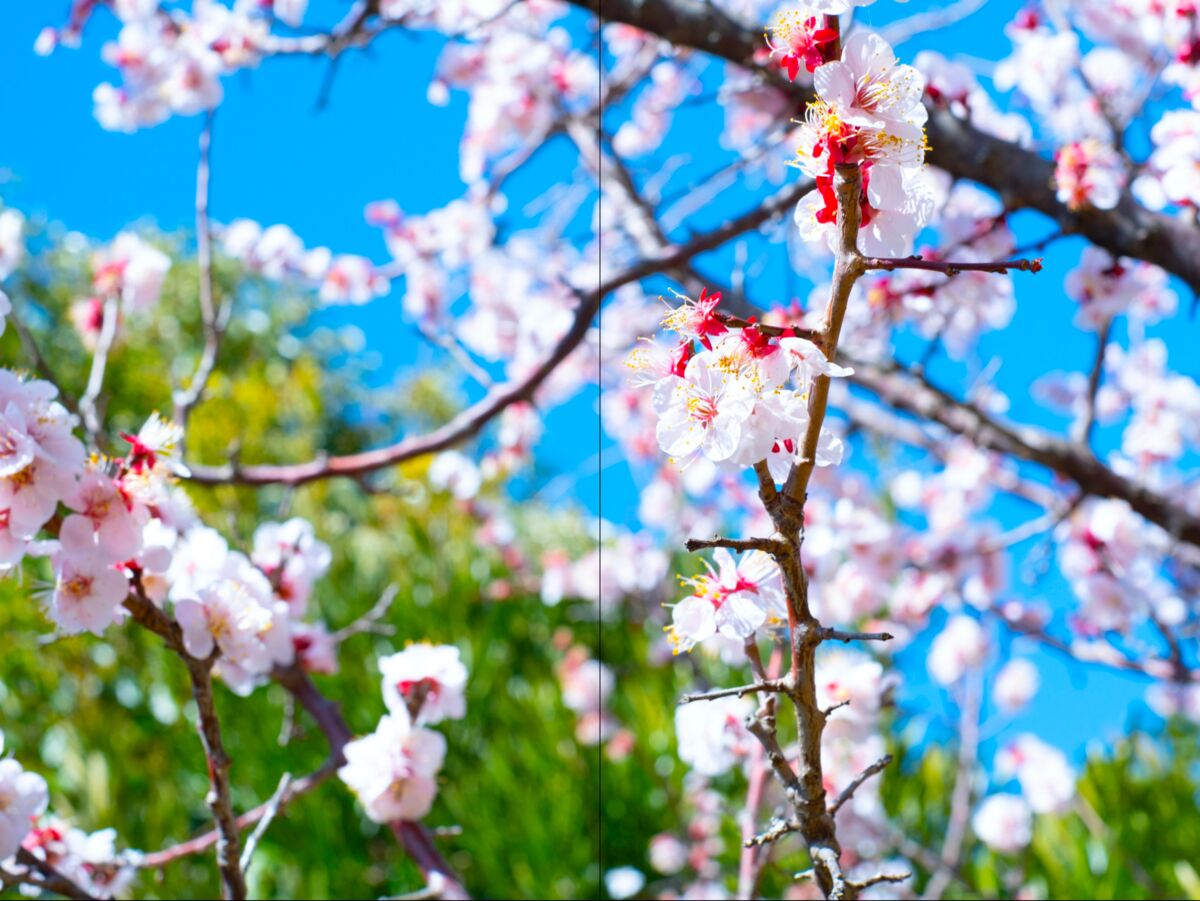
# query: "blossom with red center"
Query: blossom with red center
697,319
430,678
1088,173
733,600
799,39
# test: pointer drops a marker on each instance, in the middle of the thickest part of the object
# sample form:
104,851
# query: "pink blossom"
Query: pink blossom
393,770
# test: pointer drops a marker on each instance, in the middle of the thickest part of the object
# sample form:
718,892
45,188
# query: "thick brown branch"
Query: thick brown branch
912,393
1022,178
847,270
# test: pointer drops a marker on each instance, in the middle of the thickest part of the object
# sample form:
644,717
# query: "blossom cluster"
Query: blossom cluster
393,771
734,395
868,112
278,253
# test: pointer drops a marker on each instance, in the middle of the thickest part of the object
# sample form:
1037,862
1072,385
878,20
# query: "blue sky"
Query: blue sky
277,159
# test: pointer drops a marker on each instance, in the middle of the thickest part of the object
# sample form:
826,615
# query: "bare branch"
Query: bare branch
770,545
474,418
848,792
268,815
95,382
950,268
847,637
369,621
776,685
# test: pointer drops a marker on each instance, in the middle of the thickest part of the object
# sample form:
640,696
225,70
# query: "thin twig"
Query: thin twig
740,691
95,382
369,621
848,792
847,637
272,810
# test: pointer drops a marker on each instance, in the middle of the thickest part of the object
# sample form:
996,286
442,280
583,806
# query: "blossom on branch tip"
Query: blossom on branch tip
433,674
798,37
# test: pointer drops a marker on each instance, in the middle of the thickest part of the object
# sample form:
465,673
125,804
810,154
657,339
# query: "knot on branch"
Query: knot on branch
787,513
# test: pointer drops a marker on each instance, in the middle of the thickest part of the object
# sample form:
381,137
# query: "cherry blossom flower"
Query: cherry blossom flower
1015,685
1088,173
961,646
228,617
432,673
352,279
703,413
88,591
12,241
734,600
1004,823
132,269
101,505
314,648
393,770
293,558
23,797
1047,780
1106,287
800,38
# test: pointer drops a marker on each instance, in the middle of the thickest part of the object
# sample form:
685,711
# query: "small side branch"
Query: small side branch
951,268
777,830
769,545
847,637
95,383
272,810
848,792
771,685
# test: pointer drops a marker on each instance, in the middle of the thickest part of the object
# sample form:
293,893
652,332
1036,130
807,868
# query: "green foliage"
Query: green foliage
107,721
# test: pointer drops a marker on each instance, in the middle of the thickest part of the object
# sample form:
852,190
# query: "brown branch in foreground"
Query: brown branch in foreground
847,637
847,270
750,860
48,879
771,331
233,880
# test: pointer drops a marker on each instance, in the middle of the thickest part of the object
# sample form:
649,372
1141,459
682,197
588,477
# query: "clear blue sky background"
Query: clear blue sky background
277,159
